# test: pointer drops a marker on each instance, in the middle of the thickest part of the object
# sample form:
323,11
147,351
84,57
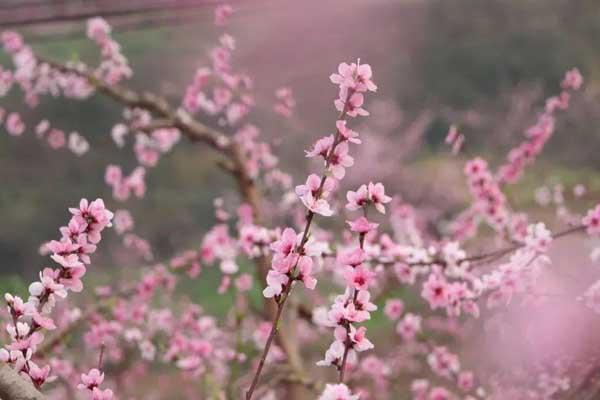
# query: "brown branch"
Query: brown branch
281,300
193,129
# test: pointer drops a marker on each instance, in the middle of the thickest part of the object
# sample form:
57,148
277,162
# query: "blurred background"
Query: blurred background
486,66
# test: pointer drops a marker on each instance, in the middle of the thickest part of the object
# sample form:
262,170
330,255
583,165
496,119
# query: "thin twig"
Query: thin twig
300,249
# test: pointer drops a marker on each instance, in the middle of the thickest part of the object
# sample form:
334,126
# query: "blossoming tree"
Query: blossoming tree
324,275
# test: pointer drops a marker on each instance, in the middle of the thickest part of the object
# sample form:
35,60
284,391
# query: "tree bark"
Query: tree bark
14,387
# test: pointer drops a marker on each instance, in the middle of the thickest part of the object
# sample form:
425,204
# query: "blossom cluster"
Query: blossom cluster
489,199
539,134
124,186
72,252
55,138
354,306
217,90
293,252
113,67
287,258
36,77
285,101
485,185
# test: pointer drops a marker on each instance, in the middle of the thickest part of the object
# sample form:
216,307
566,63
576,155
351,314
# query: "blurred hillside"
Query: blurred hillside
484,65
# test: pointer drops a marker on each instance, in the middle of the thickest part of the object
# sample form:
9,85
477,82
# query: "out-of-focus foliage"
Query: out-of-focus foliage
492,63
475,50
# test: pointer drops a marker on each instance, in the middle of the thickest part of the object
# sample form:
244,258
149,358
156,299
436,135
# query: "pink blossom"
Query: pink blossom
313,195
591,221
345,75
579,190
538,237
285,259
362,225
225,284
346,133
286,102
92,379
4,355
409,326
305,266
394,308
113,174
136,182
86,223
222,14
78,144
355,76
123,186
244,282
221,58
41,128
145,151
118,133
442,362
337,392
67,261
14,124
139,245
275,282
286,243
38,375
358,199
321,147
12,41
373,193
452,134
358,337
98,29
419,388
377,196
466,381
435,291
353,105
573,80
98,394
56,139
359,277
334,354
340,160
439,393
72,278
48,286
353,258
123,221
95,215
360,309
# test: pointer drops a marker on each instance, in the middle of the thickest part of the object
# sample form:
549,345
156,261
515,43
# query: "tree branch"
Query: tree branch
14,387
